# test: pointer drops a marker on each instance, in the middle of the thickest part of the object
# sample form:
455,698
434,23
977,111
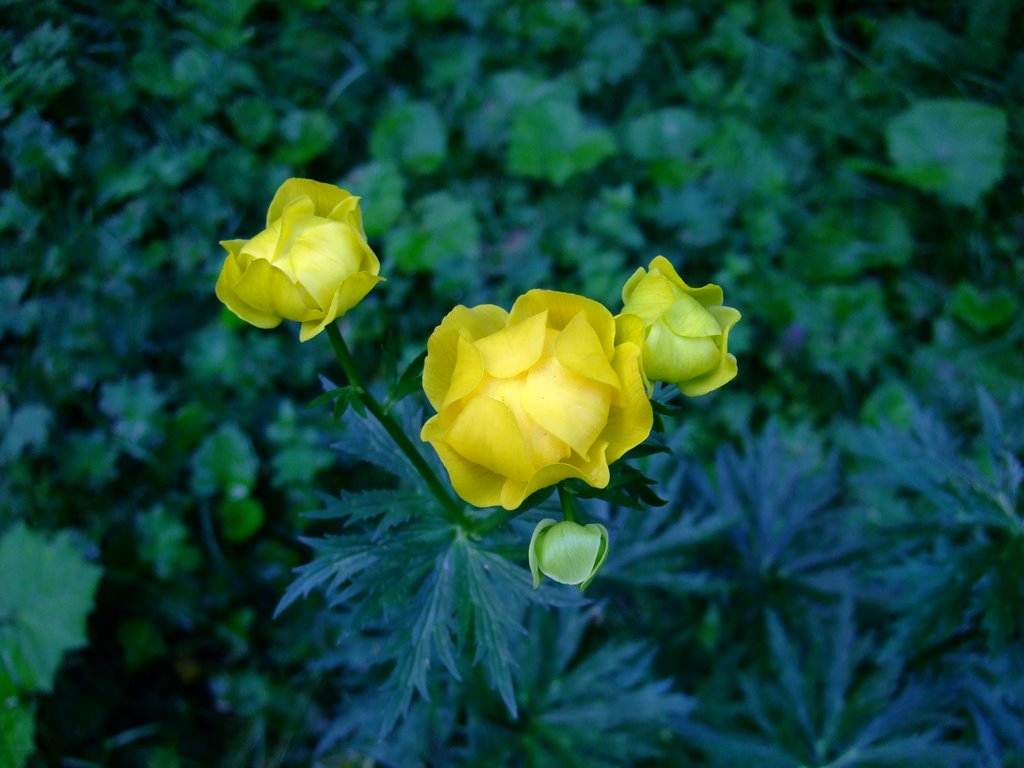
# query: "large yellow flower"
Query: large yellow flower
549,391
311,264
687,329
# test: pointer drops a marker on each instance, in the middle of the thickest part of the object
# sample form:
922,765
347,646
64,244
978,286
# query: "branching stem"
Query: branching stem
448,502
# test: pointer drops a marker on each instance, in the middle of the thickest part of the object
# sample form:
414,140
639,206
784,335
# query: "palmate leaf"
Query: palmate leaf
404,576
657,548
991,689
603,708
951,514
829,699
48,590
773,515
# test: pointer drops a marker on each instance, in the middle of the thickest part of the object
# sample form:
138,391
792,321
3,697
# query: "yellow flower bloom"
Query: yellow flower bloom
311,264
687,329
524,399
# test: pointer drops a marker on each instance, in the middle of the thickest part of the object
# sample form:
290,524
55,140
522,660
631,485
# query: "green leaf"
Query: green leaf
240,519
165,543
17,734
549,140
48,591
225,462
253,119
412,135
28,430
382,187
410,381
666,140
445,237
135,406
952,148
983,311
307,134
17,316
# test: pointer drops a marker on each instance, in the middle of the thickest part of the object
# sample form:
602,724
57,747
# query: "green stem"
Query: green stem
393,429
568,510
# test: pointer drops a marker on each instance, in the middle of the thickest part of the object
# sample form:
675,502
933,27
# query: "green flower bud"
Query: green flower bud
686,329
567,552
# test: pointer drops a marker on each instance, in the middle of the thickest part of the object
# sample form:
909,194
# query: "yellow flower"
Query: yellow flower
567,552
524,399
311,264
687,329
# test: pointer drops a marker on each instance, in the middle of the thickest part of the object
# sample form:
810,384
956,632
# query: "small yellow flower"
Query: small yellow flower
311,264
567,552
687,329
524,399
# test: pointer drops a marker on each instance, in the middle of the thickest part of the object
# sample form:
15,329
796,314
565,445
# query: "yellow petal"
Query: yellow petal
512,350
672,358
234,247
629,425
486,433
651,297
544,447
631,283
442,346
325,197
348,212
629,328
468,373
723,374
473,483
264,245
578,349
230,274
562,308
352,290
298,214
687,317
267,289
514,493
323,256
726,317
726,371
708,295
570,407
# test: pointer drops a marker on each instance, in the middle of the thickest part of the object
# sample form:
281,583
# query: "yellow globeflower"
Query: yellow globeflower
687,329
311,264
524,399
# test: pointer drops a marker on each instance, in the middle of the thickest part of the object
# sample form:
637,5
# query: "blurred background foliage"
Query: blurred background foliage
838,578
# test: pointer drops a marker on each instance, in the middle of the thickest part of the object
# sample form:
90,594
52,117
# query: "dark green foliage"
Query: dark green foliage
837,575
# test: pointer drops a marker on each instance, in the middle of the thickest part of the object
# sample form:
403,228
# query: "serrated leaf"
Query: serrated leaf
388,508
410,381
48,593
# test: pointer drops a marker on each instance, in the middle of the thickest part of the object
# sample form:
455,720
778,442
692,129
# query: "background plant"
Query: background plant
851,177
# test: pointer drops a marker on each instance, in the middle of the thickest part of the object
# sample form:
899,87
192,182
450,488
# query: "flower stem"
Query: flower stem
393,429
568,510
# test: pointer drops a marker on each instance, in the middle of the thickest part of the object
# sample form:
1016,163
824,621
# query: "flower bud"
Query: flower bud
687,329
311,264
567,552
